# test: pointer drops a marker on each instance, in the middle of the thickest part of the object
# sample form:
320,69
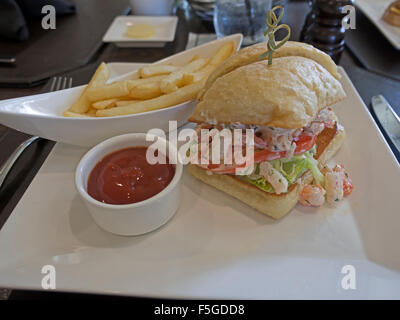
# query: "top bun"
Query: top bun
286,94
251,54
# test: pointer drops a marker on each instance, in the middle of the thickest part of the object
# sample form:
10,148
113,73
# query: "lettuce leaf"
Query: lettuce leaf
291,169
259,183
312,165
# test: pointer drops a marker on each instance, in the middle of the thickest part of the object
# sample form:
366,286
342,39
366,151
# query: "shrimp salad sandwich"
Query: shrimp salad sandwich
288,105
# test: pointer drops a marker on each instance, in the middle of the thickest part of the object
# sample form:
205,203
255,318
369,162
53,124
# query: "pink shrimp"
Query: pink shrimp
347,183
312,195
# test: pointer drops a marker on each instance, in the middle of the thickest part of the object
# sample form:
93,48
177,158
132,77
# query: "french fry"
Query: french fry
118,89
91,112
137,82
223,53
192,77
179,96
152,87
104,104
174,80
125,102
135,76
109,91
146,91
72,114
154,70
195,57
99,78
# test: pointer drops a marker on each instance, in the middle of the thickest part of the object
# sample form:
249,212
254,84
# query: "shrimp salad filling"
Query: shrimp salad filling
282,156
276,176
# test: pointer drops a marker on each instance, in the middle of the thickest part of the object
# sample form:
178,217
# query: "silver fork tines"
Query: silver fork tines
57,83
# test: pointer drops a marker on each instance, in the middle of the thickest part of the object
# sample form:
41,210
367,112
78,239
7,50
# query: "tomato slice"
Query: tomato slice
303,143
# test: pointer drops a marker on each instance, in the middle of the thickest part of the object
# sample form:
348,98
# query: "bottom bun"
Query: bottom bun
271,204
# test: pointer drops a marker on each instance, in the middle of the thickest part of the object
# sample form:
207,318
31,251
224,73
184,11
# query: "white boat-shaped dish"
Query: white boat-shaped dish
41,114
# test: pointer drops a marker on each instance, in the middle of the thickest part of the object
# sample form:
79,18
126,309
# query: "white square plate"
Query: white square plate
216,246
165,31
374,10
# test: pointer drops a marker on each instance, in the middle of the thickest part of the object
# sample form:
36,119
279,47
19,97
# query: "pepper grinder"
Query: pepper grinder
323,26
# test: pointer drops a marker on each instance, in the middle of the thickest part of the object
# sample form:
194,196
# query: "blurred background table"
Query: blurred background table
368,83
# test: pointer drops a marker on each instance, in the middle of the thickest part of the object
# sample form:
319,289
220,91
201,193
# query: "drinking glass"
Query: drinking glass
242,16
152,7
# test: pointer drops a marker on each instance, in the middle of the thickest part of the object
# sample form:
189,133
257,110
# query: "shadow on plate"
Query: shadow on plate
221,199
85,229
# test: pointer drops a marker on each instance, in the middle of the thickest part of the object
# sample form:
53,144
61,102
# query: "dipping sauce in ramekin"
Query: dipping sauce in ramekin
125,176
142,216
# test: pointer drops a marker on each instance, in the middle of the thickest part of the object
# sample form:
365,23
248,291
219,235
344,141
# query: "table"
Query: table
367,84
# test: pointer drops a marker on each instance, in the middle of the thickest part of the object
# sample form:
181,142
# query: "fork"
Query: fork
57,83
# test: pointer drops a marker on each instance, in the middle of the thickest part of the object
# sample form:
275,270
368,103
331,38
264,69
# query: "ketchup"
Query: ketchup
125,176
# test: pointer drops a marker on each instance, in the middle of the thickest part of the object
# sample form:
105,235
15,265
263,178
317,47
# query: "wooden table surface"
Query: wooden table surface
367,84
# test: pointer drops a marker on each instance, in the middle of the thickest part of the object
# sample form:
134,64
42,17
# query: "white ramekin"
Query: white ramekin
136,218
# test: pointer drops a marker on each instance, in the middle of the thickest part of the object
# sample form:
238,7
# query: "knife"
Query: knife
388,119
7,59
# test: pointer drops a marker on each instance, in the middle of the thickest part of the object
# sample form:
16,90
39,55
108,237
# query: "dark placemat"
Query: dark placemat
369,84
372,49
33,157
44,55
